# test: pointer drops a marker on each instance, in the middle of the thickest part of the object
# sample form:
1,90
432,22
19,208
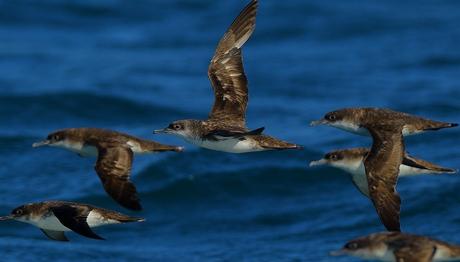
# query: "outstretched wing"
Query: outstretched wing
114,168
75,218
226,71
382,170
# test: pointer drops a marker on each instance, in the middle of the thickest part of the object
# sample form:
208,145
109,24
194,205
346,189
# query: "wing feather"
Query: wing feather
114,168
226,71
382,170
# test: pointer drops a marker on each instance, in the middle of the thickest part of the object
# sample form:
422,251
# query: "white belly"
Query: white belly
79,148
229,145
48,222
360,180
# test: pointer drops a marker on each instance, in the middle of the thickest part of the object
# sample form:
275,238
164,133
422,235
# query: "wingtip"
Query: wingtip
453,124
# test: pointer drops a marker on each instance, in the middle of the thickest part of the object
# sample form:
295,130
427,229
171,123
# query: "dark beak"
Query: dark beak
41,143
9,217
166,130
319,122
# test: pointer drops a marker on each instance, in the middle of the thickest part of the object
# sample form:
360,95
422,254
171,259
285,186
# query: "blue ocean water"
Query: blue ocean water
134,66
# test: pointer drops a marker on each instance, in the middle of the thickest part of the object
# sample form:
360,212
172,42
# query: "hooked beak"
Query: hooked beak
41,143
166,130
318,162
9,217
319,122
339,252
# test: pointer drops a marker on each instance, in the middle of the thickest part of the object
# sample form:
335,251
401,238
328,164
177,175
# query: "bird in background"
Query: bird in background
225,129
400,247
54,218
114,152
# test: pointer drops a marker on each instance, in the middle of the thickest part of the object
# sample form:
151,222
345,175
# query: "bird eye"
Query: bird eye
18,212
56,137
353,245
331,117
333,157
177,127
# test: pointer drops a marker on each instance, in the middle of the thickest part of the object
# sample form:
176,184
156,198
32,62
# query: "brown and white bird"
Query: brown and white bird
225,129
54,218
352,161
400,247
355,120
114,153
382,163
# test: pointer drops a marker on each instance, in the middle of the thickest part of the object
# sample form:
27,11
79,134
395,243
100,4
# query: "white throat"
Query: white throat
350,127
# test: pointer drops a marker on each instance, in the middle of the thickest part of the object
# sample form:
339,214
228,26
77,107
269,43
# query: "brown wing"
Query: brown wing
226,71
114,168
415,253
382,170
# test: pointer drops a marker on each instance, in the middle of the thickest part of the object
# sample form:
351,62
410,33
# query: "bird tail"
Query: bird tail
439,125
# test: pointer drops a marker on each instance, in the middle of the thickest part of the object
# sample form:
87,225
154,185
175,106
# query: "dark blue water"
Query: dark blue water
134,66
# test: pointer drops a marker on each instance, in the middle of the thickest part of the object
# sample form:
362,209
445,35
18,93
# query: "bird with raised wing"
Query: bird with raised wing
225,129
114,152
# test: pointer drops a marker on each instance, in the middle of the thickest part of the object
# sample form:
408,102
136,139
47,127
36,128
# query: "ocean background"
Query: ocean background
135,66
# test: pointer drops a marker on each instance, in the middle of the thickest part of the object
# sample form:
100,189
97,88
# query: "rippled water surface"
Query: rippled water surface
134,66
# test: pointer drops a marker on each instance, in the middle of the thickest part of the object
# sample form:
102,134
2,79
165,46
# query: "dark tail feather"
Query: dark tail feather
131,219
254,132
438,126
229,133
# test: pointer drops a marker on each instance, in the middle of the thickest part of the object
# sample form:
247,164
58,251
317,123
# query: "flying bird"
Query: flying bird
114,152
355,120
225,129
400,247
352,161
54,218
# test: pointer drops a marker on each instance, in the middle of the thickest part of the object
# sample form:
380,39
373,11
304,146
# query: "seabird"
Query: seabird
355,120
55,217
352,161
225,129
400,247
114,153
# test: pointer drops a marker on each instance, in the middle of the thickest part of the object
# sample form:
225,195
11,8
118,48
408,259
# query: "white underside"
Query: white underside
355,129
51,222
358,173
228,145
91,151
442,254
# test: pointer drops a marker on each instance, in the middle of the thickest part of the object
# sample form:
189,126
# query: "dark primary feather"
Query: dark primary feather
382,170
74,217
226,71
114,168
